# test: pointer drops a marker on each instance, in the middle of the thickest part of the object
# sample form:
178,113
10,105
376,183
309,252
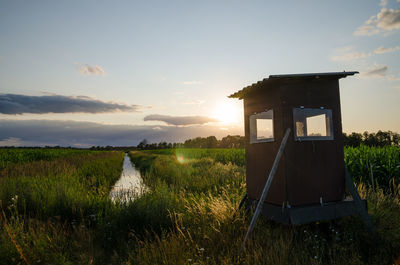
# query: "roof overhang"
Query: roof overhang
276,78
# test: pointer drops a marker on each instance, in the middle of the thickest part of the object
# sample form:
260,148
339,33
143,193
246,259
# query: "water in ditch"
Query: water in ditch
130,185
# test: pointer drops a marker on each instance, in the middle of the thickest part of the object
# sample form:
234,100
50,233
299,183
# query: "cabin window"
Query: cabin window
312,124
262,127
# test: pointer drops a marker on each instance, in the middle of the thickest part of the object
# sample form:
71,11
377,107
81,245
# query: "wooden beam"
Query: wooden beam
358,202
266,187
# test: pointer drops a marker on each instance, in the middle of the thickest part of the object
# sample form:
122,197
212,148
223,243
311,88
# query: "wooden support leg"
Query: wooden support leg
358,202
243,201
266,187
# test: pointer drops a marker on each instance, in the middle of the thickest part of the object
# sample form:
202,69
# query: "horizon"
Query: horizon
96,73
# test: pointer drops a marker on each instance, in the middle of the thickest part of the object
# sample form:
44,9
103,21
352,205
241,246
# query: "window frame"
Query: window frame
301,114
268,114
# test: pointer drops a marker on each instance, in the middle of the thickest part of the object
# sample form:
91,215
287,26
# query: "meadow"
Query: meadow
56,209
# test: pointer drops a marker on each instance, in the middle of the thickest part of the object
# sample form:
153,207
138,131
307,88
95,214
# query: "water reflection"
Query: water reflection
130,185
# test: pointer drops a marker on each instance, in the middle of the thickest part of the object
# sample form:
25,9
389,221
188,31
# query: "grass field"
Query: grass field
56,210
385,161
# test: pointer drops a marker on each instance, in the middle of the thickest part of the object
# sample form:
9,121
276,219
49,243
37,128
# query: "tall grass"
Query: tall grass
12,156
58,211
205,227
222,155
49,207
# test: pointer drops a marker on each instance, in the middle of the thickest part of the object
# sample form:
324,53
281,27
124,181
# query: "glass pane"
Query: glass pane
264,129
316,125
312,124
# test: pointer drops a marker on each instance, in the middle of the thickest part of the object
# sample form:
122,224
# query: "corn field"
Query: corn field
383,162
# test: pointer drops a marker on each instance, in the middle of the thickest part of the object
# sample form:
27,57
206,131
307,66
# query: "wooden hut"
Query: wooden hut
309,183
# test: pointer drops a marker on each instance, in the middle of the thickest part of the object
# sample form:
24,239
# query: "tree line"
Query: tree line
230,141
380,138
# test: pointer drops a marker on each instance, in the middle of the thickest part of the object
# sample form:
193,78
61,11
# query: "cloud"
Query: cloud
384,3
382,49
377,71
348,54
368,29
19,104
86,134
386,20
91,70
11,141
194,82
179,120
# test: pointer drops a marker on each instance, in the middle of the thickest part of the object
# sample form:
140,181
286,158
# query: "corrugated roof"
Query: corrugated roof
276,78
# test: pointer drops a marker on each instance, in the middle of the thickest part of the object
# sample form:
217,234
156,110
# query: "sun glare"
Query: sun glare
227,112
180,159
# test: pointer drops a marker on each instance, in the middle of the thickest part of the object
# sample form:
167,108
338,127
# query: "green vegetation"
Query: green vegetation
48,206
385,163
11,156
385,160
205,227
58,211
224,156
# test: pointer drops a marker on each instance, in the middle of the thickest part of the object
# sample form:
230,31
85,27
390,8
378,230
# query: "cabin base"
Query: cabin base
307,213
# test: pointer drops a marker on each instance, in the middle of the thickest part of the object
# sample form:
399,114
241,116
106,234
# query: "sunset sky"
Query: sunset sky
82,73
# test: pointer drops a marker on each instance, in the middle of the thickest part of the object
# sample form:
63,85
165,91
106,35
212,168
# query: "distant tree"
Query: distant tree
162,145
353,139
232,141
211,142
396,139
381,138
142,144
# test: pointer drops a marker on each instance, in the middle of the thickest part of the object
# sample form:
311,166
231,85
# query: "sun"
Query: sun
226,112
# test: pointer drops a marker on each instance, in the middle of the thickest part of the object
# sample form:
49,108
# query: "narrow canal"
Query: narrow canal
130,185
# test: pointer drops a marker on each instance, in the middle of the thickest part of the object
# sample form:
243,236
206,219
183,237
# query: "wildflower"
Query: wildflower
201,249
190,260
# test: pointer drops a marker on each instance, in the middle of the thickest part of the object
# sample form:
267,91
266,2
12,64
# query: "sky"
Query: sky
83,73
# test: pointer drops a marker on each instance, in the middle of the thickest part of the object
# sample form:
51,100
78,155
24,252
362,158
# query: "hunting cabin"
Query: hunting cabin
309,182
